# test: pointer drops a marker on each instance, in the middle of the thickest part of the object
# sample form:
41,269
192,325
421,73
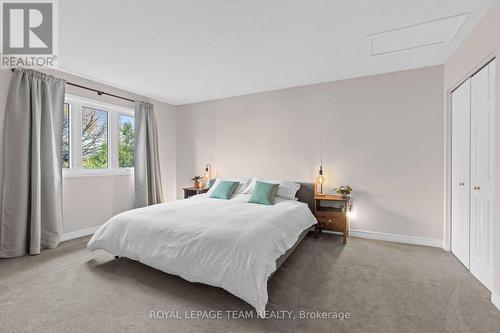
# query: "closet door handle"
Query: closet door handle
477,188
461,184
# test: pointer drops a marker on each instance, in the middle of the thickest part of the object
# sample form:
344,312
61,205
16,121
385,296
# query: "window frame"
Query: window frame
76,169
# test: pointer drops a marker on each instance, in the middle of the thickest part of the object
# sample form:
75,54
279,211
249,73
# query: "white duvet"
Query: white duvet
230,244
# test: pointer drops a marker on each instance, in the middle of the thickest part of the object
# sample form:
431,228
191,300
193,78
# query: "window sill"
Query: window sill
73,173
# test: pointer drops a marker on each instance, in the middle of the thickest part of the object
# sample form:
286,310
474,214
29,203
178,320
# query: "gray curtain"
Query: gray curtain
148,188
31,209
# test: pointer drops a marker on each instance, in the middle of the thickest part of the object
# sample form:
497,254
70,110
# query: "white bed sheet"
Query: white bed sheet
230,244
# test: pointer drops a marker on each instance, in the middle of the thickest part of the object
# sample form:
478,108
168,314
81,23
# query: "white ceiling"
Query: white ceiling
184,51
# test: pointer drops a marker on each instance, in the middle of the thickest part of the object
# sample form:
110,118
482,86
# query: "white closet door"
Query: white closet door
482,184
460,103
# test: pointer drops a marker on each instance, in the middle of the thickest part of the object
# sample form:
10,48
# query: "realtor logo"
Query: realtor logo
28,28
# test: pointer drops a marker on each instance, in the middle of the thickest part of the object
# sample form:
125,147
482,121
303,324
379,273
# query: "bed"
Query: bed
231,244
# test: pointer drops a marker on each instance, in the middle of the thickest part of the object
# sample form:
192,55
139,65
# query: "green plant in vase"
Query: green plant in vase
343,190
196,180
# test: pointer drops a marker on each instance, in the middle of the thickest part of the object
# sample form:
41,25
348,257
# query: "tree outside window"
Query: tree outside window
66,136
126,146
94,138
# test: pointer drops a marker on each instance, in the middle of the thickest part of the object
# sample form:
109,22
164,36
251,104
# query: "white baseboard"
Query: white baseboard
79,233
495,300
396,238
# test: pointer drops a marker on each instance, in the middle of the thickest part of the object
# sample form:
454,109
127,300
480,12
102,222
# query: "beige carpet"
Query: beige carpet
386,287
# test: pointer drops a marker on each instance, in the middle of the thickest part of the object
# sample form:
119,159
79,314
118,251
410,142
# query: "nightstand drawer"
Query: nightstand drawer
332,223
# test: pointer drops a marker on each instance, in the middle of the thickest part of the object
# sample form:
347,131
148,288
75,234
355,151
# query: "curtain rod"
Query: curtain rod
99,92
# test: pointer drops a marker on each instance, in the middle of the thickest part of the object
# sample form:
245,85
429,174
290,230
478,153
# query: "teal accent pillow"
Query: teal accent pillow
264,193
224,190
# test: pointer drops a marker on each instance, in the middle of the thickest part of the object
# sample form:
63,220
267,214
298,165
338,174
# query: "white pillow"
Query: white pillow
286,190
241,187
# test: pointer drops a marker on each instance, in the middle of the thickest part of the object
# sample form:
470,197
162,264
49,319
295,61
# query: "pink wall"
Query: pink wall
480,45
91,201
382,134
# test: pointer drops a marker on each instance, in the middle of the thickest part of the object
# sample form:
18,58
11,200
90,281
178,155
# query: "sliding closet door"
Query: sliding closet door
460,170
482,173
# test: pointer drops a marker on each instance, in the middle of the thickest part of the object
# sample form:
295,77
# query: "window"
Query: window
104,140
126,148
94,138
66,137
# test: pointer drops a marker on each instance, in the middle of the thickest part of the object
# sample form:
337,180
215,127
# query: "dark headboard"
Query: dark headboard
306,194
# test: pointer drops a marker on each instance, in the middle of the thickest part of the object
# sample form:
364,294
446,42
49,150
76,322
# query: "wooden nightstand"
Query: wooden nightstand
331,213
191,191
